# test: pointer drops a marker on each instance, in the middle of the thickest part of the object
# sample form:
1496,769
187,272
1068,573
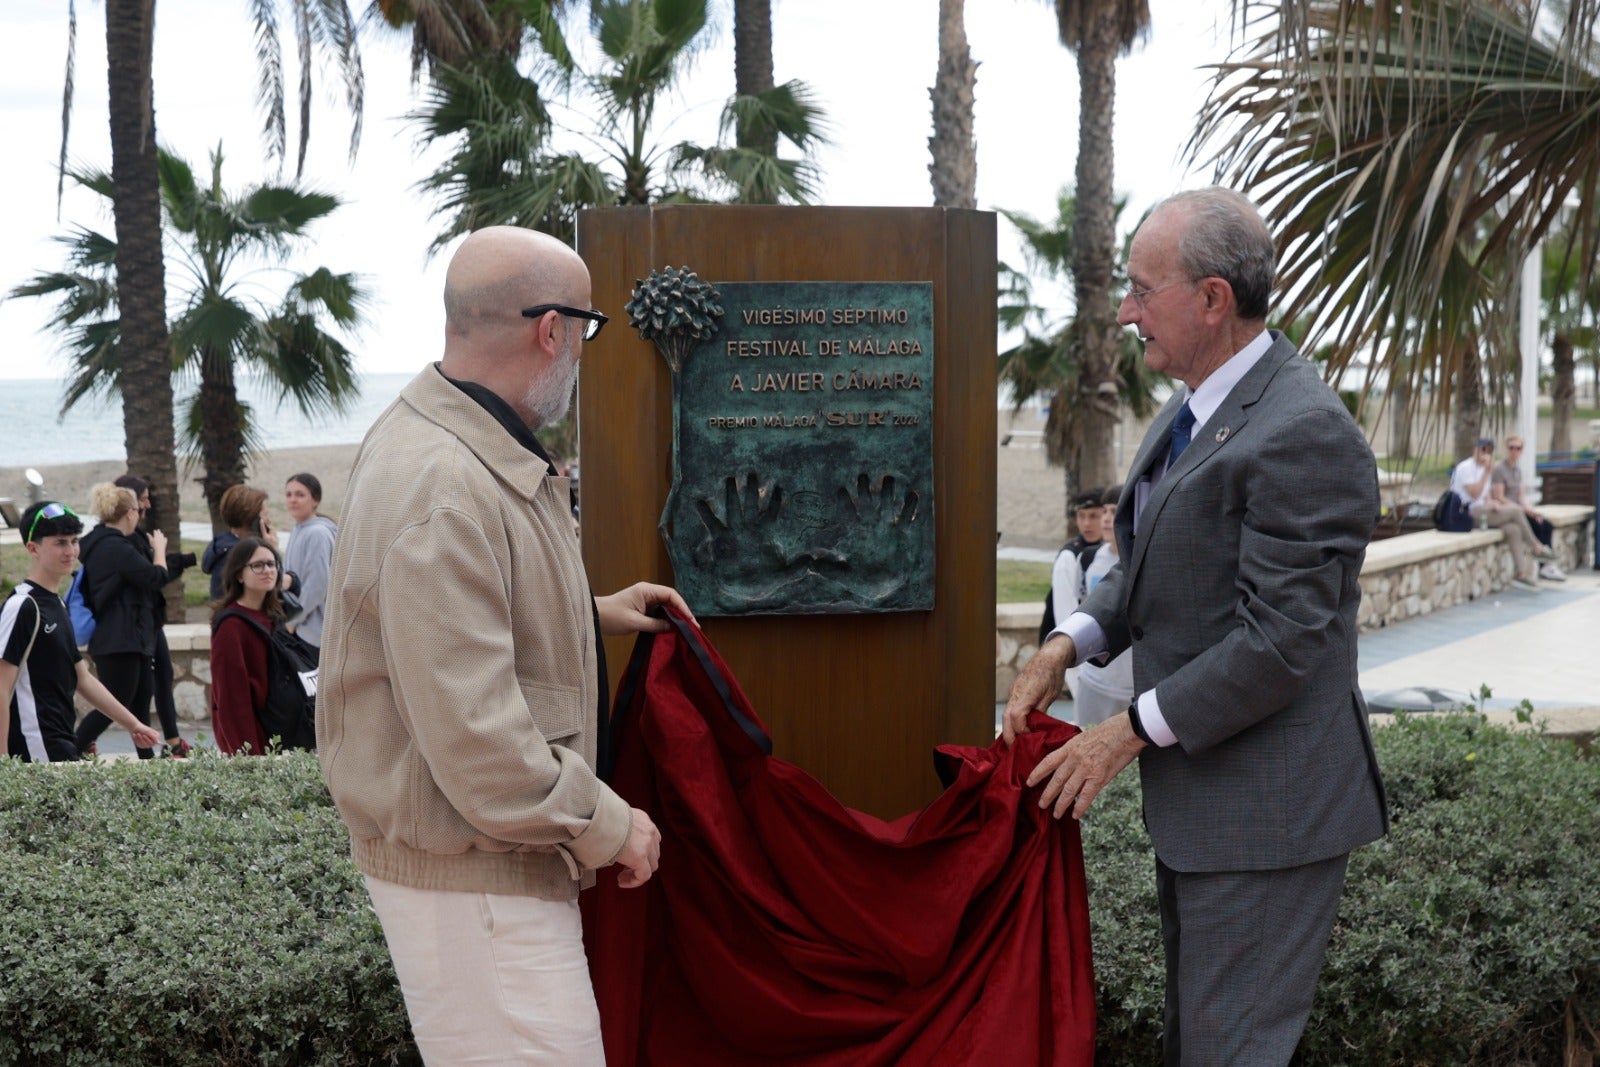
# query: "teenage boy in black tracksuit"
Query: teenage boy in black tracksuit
40,666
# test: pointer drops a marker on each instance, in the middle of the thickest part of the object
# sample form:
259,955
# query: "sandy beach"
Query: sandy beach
1031,498
71,482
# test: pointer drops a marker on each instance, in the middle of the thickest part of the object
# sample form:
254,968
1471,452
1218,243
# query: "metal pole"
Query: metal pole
1528,408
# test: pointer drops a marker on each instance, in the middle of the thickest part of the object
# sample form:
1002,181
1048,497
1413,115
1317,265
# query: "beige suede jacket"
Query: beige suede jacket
456,702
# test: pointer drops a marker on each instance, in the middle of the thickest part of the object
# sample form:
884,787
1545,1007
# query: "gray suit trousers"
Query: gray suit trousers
1244,949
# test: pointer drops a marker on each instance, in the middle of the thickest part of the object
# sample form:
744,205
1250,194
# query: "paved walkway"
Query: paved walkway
1543,647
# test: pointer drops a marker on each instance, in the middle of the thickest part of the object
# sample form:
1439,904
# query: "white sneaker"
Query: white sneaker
1551,573
1526,583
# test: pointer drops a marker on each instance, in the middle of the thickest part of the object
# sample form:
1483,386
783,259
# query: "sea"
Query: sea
35,433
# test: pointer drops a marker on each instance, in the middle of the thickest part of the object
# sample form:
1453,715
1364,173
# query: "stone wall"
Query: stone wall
1403,577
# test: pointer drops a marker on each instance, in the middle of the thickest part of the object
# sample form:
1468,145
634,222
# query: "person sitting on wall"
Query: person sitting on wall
1471,482
1505,487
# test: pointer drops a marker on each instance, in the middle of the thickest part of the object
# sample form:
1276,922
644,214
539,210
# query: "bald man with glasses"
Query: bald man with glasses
462,678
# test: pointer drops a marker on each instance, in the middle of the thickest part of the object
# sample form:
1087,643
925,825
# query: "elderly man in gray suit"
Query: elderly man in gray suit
1242,528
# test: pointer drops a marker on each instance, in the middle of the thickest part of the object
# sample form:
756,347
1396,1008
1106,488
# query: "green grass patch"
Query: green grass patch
15,562
1017,581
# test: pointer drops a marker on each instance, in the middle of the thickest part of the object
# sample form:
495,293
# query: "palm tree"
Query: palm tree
1097,31
1409,156
752,65
223,323
145,377
1048,360
955,154
453,32
505,169
1569,316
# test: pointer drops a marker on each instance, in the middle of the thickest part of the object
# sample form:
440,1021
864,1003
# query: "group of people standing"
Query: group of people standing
126,567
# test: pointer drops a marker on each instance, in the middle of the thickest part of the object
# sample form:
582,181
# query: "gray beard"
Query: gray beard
548,398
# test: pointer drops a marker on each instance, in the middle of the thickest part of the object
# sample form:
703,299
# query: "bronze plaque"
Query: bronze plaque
803,461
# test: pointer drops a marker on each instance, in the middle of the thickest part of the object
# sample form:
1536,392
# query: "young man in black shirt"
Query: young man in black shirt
40,666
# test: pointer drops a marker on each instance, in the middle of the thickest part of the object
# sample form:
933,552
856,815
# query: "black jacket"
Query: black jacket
177,563
118,582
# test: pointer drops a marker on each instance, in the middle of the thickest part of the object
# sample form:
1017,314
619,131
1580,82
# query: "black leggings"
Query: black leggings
131,678
166,708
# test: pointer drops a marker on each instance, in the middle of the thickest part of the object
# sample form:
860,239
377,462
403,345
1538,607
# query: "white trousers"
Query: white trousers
491,979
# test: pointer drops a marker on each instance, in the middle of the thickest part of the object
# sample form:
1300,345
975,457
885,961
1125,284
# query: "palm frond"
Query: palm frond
269,79
1408,158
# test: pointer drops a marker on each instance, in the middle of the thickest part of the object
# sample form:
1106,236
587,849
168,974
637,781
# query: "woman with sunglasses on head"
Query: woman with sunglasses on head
119,583
238,650
177,563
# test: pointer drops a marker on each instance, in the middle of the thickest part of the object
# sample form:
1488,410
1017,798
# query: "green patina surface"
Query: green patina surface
804,452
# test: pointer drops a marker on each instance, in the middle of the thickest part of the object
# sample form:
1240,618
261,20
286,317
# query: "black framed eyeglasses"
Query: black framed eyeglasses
262,566
49,511
592,327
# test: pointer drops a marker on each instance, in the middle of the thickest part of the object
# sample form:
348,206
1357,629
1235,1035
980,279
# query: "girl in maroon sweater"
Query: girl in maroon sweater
239,651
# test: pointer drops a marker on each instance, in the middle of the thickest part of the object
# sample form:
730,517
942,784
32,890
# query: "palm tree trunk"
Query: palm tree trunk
752,64
1563,393
221,432
1468,397
955,153
1094,241
144,352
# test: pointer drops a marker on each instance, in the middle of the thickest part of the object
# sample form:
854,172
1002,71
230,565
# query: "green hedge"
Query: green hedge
204,912
1471,934
197,912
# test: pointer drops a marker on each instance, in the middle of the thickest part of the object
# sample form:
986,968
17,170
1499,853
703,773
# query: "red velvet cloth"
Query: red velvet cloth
784,928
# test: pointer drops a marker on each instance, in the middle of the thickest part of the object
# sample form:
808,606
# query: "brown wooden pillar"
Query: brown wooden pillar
860,701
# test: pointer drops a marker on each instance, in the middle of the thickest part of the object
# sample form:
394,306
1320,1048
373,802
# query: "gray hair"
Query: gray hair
1226,238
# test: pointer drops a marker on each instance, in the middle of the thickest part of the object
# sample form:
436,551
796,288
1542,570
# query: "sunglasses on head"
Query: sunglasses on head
49,511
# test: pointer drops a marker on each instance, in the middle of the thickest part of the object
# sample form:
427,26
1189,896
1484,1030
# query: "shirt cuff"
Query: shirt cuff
1088,639
1154,724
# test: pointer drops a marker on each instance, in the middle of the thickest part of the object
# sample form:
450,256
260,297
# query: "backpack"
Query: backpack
1085,555
1450,514
290,714
77,601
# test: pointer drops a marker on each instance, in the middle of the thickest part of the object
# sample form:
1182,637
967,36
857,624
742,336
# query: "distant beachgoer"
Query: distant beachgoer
41,669
239,650
244,510
177,563
119,585
309,554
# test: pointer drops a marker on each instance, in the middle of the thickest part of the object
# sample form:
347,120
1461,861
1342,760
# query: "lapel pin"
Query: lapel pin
1222,434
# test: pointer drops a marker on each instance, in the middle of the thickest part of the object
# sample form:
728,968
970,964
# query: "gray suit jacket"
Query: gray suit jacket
1238,593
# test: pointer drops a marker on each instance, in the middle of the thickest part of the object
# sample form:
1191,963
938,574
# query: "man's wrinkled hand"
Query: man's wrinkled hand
1075,773
1037,687
641,854
625,612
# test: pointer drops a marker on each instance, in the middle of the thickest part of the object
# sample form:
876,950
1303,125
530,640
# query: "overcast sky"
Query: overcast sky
870,62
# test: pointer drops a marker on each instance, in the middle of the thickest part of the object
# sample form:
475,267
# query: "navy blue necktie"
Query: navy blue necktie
1181,428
